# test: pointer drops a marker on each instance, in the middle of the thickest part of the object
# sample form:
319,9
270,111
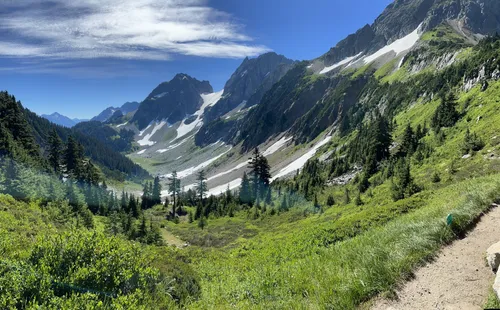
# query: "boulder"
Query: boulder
493,257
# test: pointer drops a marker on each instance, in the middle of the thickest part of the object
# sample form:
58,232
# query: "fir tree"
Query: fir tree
201,186
55,151
156,194
446,114
174,186
245,190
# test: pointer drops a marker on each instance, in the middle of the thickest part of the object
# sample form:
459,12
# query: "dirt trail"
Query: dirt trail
458,279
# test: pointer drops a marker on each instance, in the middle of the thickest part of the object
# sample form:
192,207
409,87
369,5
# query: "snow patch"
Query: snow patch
301,161
339,64
121,125
218,190
277,146
146,140
141,152
173,146
192,170
244,73
237,167
145,129
159,96
397,46
208,100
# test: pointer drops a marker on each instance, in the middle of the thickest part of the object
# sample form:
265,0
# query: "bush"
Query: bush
64,269
471,143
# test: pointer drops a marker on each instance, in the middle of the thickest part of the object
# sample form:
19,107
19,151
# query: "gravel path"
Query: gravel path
458,279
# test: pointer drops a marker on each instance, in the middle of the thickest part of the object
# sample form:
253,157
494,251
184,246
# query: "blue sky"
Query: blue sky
79,57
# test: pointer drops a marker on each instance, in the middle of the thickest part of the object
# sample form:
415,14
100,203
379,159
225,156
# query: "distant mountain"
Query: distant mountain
173,100
108,112
253,77
62,120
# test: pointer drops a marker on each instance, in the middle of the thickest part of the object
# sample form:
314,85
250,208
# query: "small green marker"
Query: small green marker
449,219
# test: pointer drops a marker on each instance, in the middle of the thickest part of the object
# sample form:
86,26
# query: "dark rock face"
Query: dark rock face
403,16
258,74
172,100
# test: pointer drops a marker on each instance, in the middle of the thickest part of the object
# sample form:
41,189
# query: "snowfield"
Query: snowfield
121,125
301,161
146,140
173,146
397,46
141,152
238,167
145,129
339,64
222,188
208,100
277,146
189,171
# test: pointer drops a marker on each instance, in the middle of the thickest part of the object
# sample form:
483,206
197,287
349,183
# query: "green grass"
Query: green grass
286,268
349,254
492,302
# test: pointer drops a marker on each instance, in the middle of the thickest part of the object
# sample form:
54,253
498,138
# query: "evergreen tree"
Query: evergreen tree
146,196
330,201
402,182
245,190
347,197
156,194
408,142
446,114
268,196
133,206
254,166
55,151
201,186
174,186
202,223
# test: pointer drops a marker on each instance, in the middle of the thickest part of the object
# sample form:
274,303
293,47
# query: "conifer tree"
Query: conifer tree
156,194
408,142
201,186
146,196
55,151
245,190
174,187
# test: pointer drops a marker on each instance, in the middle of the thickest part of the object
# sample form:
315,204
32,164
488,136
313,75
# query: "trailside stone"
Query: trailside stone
493,256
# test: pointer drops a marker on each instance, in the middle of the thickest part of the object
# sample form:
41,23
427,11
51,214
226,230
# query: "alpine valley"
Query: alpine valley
302,184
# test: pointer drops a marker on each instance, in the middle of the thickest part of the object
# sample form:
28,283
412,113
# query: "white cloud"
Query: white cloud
128,29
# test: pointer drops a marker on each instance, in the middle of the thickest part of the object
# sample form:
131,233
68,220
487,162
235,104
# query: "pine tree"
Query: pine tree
408,142
255,168
156,193
446,114
146,196
245,191
55,151
201,187
330,201
133,206
174,186
202,223
347,197
268,199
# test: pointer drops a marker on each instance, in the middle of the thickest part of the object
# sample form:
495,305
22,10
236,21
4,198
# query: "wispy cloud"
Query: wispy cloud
123,29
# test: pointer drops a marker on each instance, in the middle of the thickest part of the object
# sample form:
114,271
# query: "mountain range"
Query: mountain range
270,96
62,120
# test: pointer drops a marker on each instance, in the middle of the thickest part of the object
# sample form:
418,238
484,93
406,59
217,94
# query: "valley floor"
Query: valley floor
458,278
